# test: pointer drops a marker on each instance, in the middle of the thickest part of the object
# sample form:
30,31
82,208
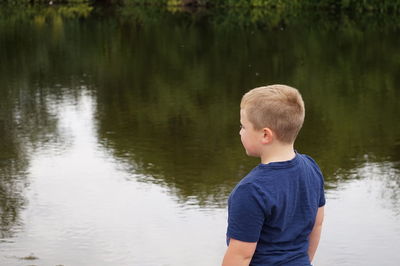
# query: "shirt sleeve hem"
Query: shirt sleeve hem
242,238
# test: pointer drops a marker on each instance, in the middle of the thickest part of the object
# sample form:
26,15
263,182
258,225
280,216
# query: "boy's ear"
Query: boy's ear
268,135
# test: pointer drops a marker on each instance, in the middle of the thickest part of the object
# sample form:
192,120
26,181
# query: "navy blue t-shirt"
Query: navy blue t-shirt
275,205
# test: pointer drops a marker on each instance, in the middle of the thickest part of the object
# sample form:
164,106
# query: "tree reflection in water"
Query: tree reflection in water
168,90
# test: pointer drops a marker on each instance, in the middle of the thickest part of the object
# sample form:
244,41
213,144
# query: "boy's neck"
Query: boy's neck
278,153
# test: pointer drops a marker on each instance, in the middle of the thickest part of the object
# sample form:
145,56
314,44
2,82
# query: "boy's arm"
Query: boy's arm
315,233
239,253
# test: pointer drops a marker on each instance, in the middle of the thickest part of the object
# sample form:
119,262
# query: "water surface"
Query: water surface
119,134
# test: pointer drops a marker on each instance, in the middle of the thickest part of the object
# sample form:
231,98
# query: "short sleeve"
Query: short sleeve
321,193
321,201
246,213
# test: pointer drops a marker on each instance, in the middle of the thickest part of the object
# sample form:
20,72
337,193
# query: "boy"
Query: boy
275,213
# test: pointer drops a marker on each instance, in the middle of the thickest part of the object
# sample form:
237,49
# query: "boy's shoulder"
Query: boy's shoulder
269,175
311,163
308,158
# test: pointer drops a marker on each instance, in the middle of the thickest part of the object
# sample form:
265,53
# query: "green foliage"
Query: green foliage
353,5
376,6
41,14
226,13
47,2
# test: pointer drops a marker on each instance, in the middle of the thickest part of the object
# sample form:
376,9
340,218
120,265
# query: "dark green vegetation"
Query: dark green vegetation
223,14
354,5
167,84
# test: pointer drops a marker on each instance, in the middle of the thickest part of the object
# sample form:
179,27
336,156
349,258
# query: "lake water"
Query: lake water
119,129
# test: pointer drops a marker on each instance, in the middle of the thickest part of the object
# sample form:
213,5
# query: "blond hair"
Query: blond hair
278,107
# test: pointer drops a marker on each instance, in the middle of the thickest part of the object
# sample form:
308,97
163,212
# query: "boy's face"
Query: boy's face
251,138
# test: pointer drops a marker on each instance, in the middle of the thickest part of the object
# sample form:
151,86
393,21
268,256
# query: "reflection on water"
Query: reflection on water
82,208
119,135
361,213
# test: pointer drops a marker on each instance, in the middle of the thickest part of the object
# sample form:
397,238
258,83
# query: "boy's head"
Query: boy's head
277,107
